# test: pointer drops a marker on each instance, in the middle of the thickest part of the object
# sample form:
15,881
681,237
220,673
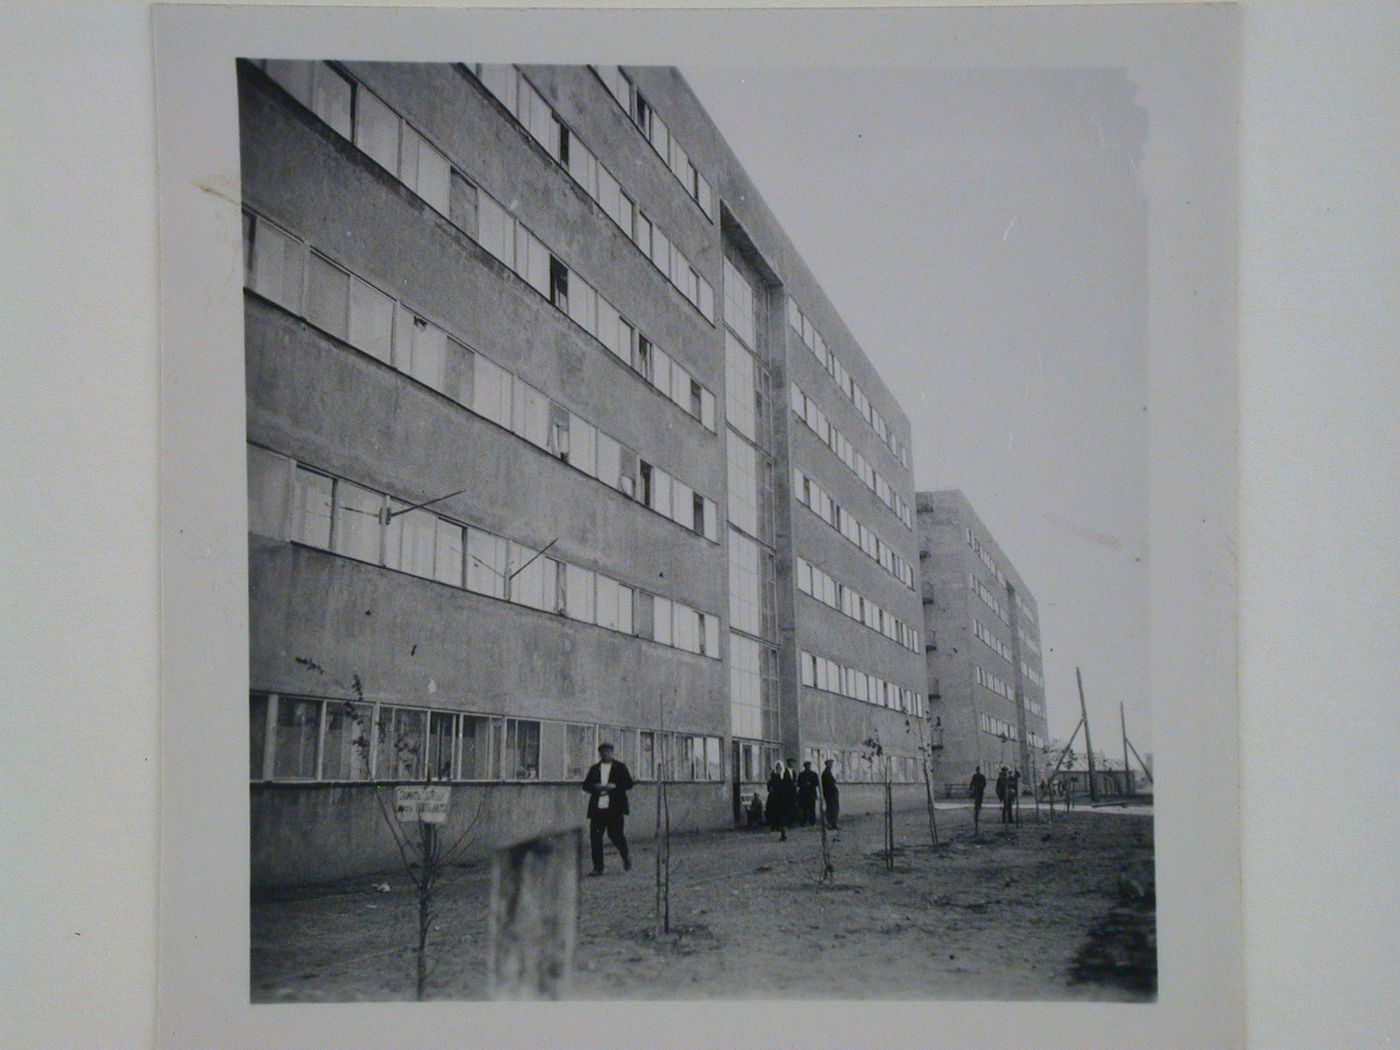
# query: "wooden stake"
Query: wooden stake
1123,722
1088,742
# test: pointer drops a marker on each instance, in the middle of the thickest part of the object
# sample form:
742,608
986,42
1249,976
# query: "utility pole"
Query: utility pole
1123,721
1088,742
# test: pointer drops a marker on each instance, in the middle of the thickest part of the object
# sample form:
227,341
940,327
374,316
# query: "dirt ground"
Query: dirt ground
1047,911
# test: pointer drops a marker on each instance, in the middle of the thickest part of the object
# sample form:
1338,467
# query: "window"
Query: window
578,593
530,414
502,81
459,369
582,165
401,750
274,264
268,489
411,541
609,462
740,387
357,526
583,302
296,730
661,490
448,550
624,609
687,629
709,639
346,742
525,570
491,394
312,508
559,432
424,170
420,349
661,620
462,206
486,563
442,734
607,598
522,749
371,320
579,745
714,766
646,757
661,370
745,569
558,284
318,87
697,513
532,260
752,696
497,230
377,130
583,445
480,760
327,296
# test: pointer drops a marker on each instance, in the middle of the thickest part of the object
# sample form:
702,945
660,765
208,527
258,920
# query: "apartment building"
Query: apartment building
982,639
552,439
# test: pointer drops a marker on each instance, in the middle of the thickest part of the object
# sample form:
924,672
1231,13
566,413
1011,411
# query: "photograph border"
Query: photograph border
204,941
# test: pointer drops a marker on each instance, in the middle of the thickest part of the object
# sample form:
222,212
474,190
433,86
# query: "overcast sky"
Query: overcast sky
983,234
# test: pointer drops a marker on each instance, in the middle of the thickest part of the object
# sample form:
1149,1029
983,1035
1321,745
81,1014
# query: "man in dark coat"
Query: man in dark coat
780,810
607,784
831,795
977,789
1004,794
807,784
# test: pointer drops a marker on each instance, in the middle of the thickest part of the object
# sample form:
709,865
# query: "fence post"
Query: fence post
533,918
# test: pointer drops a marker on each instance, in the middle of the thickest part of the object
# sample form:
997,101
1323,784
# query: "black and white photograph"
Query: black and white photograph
701,514
578,511
565,472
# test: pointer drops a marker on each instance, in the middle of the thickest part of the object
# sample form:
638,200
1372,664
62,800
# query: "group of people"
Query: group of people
1008,788
792,799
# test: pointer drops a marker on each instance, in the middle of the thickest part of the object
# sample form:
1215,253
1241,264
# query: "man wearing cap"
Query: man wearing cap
607,784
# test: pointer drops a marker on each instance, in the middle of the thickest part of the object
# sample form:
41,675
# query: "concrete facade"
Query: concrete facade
985,676
448,303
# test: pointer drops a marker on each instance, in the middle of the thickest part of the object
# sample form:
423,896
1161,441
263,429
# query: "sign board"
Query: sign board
422,802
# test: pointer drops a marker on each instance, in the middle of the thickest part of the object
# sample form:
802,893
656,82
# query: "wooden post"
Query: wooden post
1123,722
533,918
1146,772
1088,741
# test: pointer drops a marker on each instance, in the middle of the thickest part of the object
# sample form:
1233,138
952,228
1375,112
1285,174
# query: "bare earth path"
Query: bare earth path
1049,911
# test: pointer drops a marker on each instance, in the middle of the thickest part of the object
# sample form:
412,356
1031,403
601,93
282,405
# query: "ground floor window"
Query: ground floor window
522,750
317,738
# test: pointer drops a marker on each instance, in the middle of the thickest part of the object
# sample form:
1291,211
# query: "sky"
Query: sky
983,233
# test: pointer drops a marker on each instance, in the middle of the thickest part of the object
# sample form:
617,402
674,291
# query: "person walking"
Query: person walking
607,783
1004,795
777,800
977,788
831,795
1015,786
807,784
